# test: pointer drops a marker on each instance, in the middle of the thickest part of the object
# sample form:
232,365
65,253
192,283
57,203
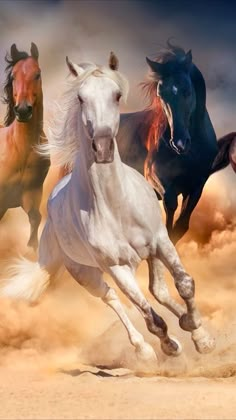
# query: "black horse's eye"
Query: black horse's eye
80,99
174,90
37,77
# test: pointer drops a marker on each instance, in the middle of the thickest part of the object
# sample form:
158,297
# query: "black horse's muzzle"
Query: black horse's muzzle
181,146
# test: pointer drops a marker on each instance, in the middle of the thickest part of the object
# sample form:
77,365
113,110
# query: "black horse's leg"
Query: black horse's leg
170,203
182,224
30,204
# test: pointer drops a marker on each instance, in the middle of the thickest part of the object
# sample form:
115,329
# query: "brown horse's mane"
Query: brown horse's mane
8,90
158,124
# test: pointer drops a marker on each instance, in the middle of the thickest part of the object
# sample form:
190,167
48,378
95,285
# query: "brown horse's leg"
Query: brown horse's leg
182,224
30,203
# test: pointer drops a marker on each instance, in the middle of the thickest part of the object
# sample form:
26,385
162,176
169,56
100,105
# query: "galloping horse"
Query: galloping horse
22,170
104,217
173,142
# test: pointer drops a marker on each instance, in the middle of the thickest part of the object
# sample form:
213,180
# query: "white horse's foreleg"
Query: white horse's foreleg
126,281
143,349
159,289
91,279
190,321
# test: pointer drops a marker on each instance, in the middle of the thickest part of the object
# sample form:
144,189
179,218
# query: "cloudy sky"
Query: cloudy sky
90,29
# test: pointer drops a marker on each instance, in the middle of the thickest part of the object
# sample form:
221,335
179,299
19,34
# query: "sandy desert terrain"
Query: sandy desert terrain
69,357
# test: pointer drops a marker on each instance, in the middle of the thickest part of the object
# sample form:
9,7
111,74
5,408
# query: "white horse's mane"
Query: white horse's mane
63,142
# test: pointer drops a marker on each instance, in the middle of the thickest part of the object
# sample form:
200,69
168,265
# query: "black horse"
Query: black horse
173,140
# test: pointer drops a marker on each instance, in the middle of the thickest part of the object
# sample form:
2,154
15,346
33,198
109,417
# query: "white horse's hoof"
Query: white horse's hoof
145,353
203,342
173,348
147,362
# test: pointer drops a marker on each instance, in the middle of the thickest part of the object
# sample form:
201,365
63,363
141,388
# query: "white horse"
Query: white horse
104,217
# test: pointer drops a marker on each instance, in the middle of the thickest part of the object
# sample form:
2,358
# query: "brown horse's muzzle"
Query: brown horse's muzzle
23,112
103,147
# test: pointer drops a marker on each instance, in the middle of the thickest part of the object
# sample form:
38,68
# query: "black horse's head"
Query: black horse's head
176,94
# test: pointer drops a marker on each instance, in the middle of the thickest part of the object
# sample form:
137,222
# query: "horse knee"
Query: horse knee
185,286
109,295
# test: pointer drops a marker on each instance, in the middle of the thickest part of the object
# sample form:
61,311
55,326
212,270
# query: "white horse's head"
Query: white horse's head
99,91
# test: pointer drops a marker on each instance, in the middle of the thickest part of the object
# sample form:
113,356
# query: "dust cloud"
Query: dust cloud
68,326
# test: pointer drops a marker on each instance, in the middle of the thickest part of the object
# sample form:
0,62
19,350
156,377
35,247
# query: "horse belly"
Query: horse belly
74,247
69,230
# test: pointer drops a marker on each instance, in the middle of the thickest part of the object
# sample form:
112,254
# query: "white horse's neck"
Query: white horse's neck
100,184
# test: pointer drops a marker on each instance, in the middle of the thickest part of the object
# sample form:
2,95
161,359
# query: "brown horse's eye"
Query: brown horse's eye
118,96
37,77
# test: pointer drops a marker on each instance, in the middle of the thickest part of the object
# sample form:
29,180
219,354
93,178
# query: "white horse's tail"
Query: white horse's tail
24,279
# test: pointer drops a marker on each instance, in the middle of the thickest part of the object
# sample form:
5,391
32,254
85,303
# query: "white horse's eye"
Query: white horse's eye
174,90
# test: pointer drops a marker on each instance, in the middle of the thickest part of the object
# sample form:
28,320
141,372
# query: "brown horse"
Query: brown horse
22,170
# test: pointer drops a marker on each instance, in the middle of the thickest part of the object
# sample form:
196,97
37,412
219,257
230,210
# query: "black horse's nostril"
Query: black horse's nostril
16,108
181,145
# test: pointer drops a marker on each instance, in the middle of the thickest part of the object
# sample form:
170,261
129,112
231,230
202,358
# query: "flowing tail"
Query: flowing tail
24,279
224,157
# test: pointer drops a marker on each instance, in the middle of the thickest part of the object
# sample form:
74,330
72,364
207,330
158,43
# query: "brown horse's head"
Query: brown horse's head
23,88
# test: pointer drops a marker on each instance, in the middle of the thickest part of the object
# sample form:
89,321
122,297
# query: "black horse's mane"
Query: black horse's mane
176,55
7,88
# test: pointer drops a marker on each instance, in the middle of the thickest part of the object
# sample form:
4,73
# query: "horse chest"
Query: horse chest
183,170
32,172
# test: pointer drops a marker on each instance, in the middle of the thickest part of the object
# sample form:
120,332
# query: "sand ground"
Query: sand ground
113,394
69,357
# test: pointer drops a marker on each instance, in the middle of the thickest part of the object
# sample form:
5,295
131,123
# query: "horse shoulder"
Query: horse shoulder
9,160
141,197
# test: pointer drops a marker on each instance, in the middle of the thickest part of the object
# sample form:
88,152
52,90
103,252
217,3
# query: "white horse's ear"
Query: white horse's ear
113,61
75,70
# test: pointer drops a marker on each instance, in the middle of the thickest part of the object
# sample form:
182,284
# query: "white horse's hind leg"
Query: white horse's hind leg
191,320
91,279
49,251
124,278
159,289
